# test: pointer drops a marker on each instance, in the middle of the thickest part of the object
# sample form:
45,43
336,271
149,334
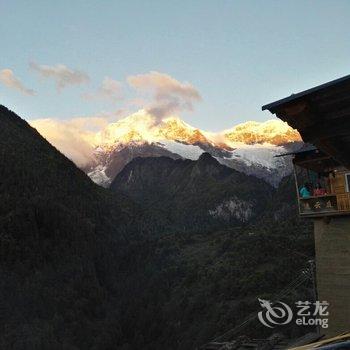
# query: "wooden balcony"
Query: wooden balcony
327,205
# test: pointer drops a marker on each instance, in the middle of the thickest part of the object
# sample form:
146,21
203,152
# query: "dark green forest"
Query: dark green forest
192,196
83,267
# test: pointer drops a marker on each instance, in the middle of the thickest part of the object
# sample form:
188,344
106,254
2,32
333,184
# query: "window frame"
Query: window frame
347,182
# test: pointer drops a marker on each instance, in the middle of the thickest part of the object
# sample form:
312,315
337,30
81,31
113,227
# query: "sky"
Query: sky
214,63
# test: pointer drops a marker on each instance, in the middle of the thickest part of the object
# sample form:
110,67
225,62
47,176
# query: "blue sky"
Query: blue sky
238,55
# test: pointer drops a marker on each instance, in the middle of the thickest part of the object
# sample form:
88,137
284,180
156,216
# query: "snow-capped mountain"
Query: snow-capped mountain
143,127
273,132
249,147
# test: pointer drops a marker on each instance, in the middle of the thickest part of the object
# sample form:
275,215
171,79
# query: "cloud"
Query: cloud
8,78
74,137
61,74
77,137
110,89
168,94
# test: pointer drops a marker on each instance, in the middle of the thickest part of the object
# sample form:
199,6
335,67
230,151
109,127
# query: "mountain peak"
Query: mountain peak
176,129
206,158
208,165
249,147
272,131
143,127
136,127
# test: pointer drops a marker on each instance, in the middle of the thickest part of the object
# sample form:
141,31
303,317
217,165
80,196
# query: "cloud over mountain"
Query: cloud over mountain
61,74
110,89
74,137
8,78
169,95
79,138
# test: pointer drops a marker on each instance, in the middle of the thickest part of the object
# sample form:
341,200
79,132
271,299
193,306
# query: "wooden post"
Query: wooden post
296,187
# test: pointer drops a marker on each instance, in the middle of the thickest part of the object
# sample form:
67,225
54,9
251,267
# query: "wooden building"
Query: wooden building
322,117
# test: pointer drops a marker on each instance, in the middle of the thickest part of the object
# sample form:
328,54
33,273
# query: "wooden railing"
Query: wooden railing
343,201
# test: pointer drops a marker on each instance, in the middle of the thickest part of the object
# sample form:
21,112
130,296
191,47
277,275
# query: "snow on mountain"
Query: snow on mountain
275,132
175,129
249,147
262,161
98,175
264,155
143,127
184,150
137,127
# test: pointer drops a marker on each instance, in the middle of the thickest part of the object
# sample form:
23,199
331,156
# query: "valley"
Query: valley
174,254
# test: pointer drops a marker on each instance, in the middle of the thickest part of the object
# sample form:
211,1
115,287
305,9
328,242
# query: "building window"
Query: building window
347,182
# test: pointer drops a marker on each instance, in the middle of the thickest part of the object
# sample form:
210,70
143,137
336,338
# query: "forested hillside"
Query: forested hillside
83,267
209,276
62,241
196,195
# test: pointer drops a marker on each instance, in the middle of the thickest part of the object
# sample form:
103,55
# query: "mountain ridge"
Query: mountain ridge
194,194
143,126
248,147
59,234
83,267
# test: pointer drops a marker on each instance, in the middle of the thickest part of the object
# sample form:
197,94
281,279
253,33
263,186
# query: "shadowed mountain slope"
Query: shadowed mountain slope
194,195
83,268
62,242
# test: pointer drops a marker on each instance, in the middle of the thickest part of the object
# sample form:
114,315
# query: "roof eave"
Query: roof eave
273,105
